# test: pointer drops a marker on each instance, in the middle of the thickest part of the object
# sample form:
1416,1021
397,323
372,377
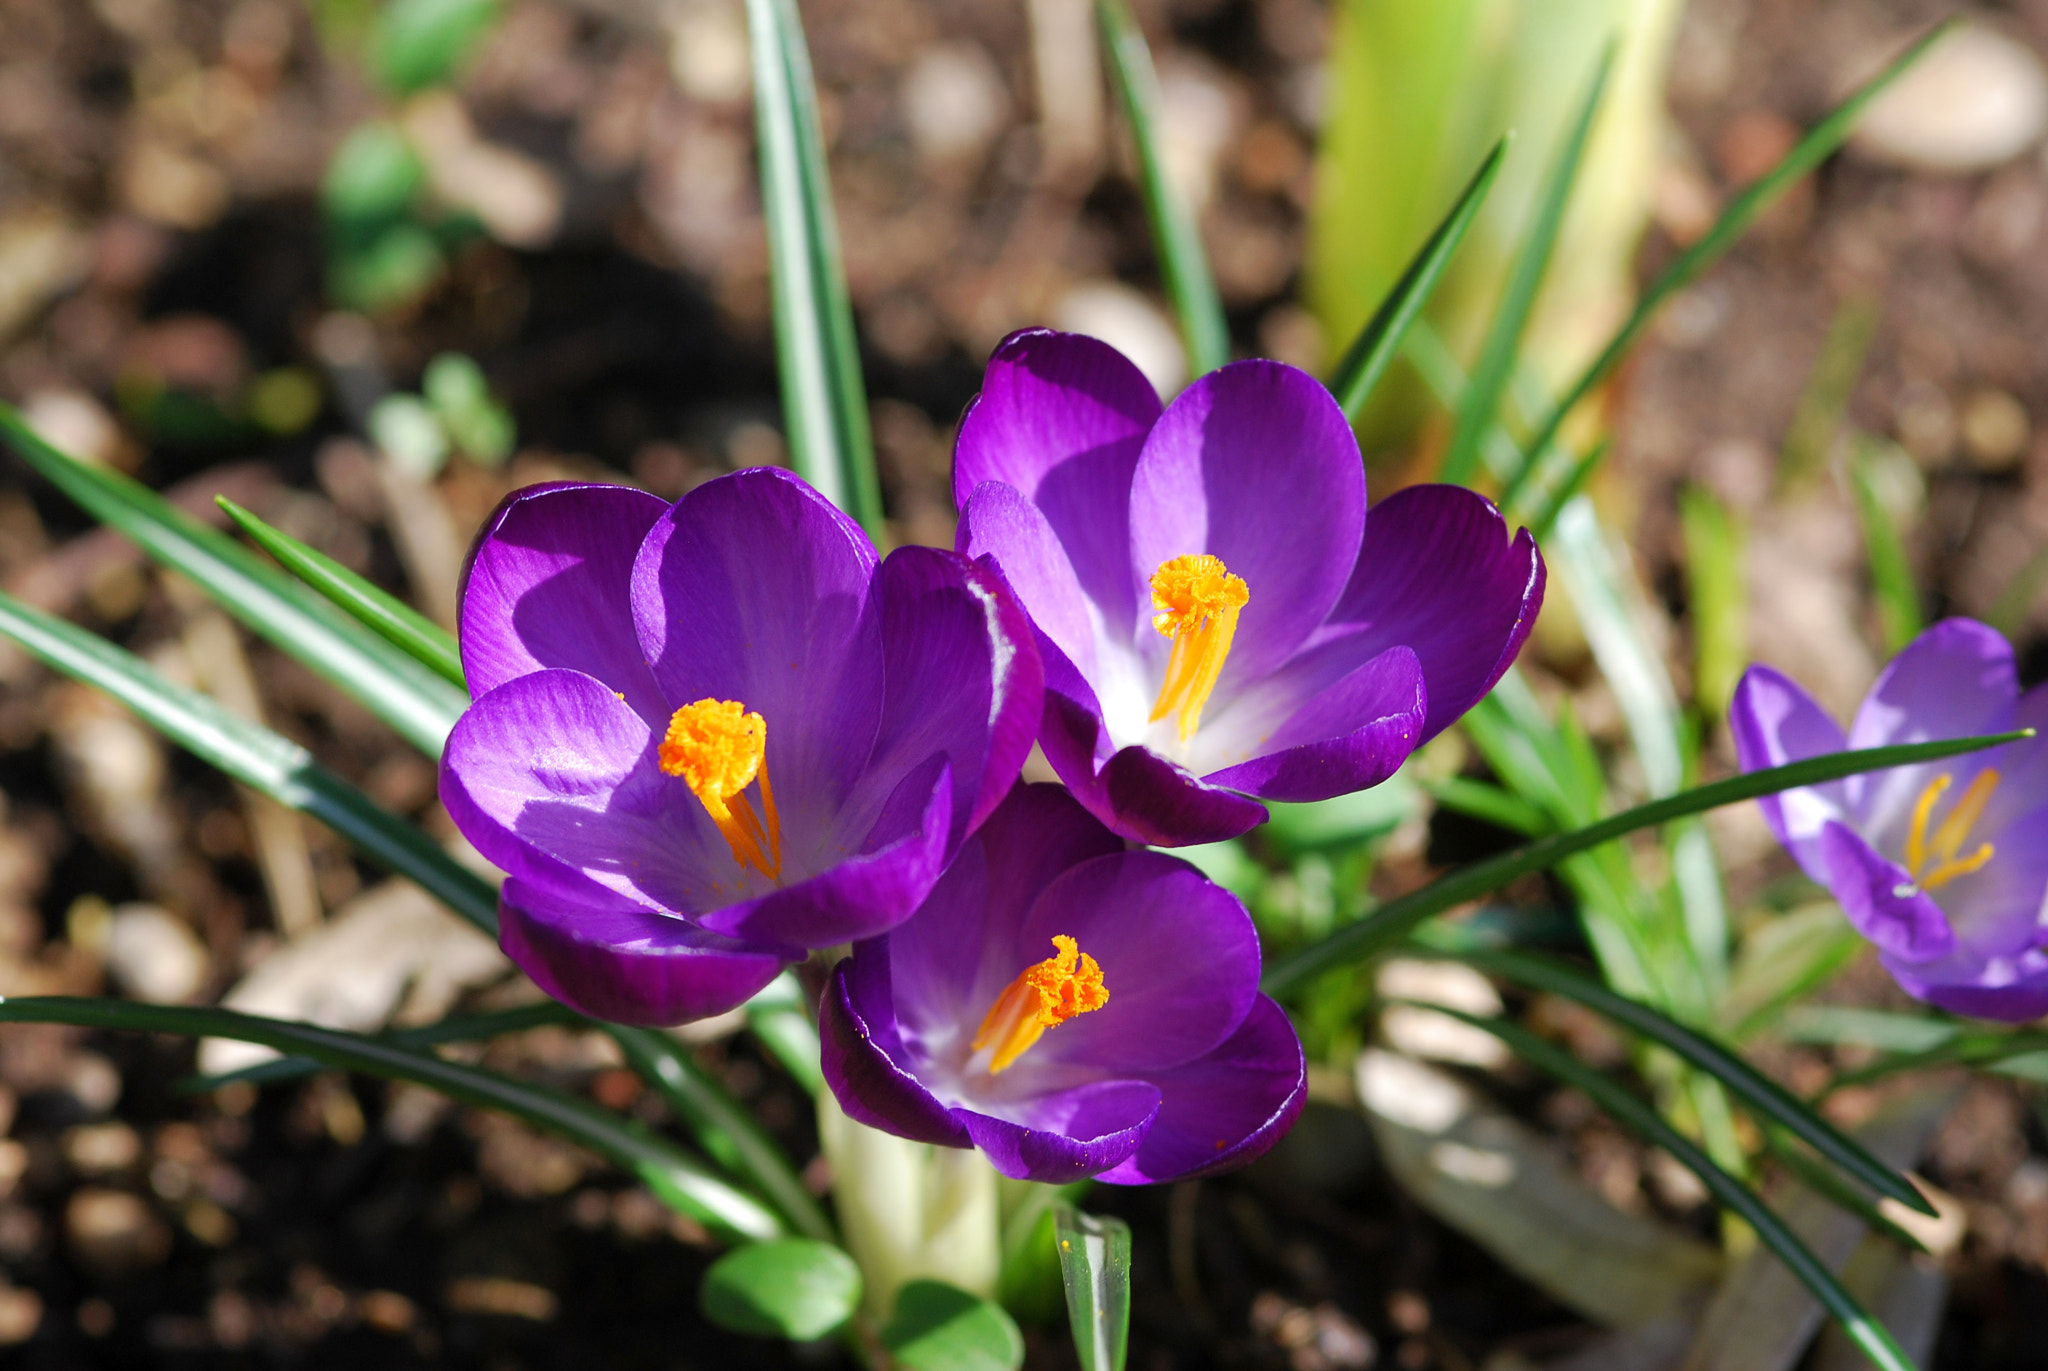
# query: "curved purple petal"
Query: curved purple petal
1223,1109
1061,418
613,961
1881,900
863,895
1955,680
754,588
1000,524
859,1050
1438,571
1255,464
1138,794
547,584
1352,735
2009,989
553,762
1774,723
1065,1135
964,679
1178,954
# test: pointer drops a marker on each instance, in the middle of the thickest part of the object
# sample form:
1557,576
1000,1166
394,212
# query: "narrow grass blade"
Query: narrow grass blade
1819,143
1491,804
1182,261
1830,1186
1573,484
1983,1050
1891,571
1866,1332
1824,401
253,755
824,400
1480,404
725,1130
777,1019
1379,342
1755,1089
681,1181
461,1028
390,618
398,690
1095,1265
1394,920
1717,591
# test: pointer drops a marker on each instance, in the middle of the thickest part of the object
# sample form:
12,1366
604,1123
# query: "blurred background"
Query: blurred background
365,268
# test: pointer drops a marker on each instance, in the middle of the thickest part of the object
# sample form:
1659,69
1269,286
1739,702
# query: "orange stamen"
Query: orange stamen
719,749
1197,602
1948,837
1043,995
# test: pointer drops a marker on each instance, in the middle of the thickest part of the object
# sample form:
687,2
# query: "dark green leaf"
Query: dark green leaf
420,43
253,755
1379,342
1393,920
1830,1186
824,402
672,1174
940,1327
795,1288
1095,1262
1755,1089
1866,1332
419,705
461,1028
1807,154
1182,261
1479,407
392,619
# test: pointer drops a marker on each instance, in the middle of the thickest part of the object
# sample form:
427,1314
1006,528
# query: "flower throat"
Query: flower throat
1196,602
719,748
1044,995
1942,846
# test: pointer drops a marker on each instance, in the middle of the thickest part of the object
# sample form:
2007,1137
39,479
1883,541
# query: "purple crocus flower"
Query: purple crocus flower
1068,1006
1221,622
711,735
1943,866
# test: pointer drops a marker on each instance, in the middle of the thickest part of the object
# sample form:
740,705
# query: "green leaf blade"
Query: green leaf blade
1095,1266
940,1327
795,1288
1182,260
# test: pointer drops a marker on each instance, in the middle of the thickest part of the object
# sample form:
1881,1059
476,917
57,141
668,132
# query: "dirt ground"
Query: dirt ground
163,268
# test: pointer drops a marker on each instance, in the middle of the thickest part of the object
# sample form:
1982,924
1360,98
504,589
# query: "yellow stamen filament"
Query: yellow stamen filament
1043,995
1197,602
718,748
1949,835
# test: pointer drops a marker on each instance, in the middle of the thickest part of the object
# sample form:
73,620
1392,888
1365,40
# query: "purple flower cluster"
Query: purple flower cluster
1942,866
713,736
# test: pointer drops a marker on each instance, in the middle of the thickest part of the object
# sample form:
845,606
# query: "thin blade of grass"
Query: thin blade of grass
1480,404
1755,1089
1830,1186
1393,921
1379,342
253,755
1717,589
1866,1332
459,1028
412,700
1574,483
1891,570
777,1020
1824,138
390,618
1095,1266
681,1181
824,400
1984,1050
1183,263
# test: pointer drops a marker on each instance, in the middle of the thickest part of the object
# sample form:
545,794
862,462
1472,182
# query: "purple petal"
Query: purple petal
2010,989
2001,910
963,676
998,523
1881,900
612,961
1178,954
1061,418
1068,1134
1138,794
1955,680
1350,736
859,896
1438,572
1775,723
1223,1109
555,763
1254,464
548,584
860,1051
754,588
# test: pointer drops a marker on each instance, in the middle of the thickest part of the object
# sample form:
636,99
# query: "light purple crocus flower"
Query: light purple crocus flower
712,735
1221,622
1070,1007
1942,866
